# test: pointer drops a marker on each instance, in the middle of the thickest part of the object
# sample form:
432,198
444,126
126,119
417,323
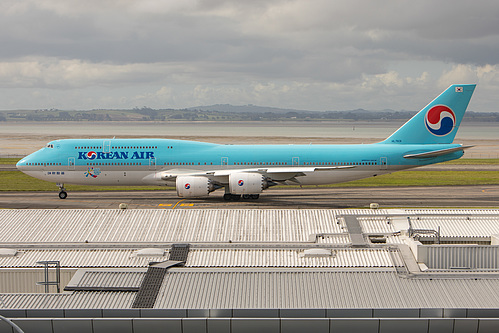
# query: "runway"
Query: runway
486,196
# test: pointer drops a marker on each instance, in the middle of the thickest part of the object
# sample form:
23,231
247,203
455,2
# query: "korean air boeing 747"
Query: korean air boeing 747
196,168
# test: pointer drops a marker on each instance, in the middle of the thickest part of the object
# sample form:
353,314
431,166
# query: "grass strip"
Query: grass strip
18,181
427,178
9,160
473,161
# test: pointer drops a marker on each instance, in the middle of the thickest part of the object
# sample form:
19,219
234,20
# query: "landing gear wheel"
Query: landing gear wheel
246,196
255,196
62,191
233,197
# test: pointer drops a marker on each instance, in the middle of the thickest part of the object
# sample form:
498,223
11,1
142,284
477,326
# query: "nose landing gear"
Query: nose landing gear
62,192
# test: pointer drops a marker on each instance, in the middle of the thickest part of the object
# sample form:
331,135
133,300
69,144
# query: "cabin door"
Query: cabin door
383,163
71,163
106,147
152,163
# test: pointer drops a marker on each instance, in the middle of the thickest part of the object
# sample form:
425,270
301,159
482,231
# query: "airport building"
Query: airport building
275,270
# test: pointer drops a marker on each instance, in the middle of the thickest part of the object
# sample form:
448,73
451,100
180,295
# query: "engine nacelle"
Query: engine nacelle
247,183
193,186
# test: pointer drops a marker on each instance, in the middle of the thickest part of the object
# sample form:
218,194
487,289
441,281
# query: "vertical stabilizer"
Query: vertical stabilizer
437,122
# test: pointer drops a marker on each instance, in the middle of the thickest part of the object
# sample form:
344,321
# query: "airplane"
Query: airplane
197,169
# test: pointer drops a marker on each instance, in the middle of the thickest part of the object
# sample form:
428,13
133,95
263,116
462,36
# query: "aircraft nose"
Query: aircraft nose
21,164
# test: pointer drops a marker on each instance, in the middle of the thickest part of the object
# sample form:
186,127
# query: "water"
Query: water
477,131
20,139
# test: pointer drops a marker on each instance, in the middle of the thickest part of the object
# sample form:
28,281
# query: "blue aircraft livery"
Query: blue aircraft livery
197,169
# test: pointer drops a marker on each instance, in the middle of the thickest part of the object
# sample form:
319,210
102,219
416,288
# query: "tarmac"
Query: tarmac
486,196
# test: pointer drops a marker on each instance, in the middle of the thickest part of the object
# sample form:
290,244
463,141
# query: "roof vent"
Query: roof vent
8,252
149,252
316,253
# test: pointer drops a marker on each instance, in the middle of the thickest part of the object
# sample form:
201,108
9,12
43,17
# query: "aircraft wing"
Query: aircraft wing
273,173
279,170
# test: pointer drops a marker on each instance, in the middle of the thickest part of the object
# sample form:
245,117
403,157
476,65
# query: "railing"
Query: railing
47,283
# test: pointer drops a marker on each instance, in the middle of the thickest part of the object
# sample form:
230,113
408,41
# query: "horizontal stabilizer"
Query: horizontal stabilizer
436,153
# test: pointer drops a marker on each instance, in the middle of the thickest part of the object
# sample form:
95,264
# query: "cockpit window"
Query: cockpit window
49,145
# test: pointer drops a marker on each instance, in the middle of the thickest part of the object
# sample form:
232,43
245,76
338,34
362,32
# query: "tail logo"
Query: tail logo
440,120
187,186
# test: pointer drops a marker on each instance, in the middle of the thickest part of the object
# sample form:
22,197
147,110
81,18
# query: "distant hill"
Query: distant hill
266,109
244,108
223,112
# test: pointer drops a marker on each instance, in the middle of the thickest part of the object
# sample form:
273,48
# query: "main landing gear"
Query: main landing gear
62,192
237,197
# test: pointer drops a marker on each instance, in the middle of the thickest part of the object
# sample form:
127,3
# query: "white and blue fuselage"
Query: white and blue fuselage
133,161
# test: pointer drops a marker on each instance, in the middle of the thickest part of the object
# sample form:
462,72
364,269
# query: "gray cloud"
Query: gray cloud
285,53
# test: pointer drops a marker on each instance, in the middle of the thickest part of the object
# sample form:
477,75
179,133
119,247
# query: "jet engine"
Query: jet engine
247,183
193,186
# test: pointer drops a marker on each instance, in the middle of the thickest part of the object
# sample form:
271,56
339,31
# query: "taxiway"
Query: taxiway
295,198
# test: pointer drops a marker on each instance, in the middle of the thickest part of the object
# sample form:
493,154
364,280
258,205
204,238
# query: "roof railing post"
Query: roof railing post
47,283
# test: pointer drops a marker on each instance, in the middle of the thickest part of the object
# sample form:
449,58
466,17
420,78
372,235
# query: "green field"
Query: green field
8,160
17,181
428,178
473,161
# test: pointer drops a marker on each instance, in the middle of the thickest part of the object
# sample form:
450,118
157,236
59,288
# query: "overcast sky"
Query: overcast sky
302,54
